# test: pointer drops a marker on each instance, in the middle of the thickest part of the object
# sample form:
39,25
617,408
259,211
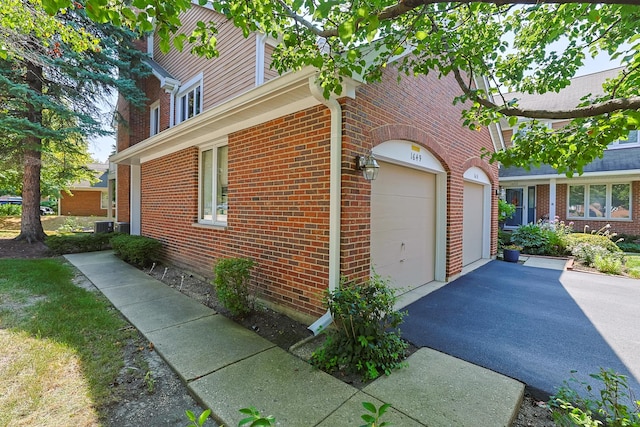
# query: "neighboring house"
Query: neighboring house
231,160
608,192
85,198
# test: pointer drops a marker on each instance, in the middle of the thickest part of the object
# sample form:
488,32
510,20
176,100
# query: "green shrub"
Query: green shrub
556,232
615,403
504,238
572,240
71,225
10,210
505,210
365,340
231,281
60,244
629,247
137,250
586,253
609,263
532,238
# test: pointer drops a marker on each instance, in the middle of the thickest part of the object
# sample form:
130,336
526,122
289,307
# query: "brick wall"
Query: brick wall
81,203
278,215
542,202
279,189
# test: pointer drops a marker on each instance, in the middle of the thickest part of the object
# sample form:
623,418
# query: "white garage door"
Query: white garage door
472,223
403,225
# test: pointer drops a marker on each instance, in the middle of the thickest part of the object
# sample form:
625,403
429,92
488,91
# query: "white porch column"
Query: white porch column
552,199
110,196
135,206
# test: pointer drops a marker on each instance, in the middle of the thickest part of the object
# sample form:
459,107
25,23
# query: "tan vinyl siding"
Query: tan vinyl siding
507,134
268,72
226,76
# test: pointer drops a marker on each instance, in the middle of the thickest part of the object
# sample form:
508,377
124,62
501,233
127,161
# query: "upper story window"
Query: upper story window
214,184
599,201
189,99
631,141
154,119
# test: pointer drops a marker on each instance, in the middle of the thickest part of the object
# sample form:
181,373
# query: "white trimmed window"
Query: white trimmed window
600,201
189,99
104,200
214,184
631,141
154,119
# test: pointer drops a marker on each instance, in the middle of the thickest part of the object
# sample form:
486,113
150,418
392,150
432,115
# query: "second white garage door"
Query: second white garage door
403,204
472,223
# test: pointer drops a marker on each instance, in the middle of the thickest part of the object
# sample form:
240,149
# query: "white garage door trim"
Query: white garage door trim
477,175
406,153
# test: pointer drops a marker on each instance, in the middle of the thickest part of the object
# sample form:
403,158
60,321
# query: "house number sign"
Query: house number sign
415,155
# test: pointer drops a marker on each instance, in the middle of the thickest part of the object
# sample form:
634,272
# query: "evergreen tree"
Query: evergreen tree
54,72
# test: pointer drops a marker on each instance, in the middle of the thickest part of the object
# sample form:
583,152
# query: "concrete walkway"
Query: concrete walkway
228,367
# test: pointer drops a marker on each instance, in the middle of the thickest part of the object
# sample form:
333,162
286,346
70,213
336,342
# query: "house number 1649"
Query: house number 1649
417,157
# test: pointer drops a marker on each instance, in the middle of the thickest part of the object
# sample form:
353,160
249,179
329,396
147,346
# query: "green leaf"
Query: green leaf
203,417
383,409
369,407
178,41
369,419
372,28
345,31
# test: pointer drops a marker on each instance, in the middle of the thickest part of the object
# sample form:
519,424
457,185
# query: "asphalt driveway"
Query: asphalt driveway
533,324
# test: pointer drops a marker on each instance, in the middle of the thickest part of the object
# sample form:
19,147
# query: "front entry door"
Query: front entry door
515,197
524,199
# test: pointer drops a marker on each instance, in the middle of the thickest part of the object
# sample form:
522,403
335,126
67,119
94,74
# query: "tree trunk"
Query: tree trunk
30,226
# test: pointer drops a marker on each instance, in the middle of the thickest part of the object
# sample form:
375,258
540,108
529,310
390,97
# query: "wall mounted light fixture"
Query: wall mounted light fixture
368,166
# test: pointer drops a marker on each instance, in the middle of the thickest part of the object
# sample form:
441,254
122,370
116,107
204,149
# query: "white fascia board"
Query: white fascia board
166,83
587,176
283,95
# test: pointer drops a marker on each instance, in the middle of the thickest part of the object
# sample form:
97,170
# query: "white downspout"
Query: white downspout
335,186
172,105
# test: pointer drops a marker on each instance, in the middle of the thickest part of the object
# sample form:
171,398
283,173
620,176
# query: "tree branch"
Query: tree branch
609,106
405,6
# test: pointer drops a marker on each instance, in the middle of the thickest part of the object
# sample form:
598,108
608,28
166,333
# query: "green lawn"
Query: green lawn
10,225
61,346
633,264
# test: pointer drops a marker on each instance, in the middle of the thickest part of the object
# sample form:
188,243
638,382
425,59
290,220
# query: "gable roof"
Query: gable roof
618,160
167,81
101,173
623,159
566,98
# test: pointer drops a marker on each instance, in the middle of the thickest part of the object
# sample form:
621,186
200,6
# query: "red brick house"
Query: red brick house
608,192
85,198
231,160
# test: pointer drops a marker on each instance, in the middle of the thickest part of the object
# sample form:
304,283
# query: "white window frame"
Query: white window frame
191,86
587,190
104,201
154,118
616,145
217,221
